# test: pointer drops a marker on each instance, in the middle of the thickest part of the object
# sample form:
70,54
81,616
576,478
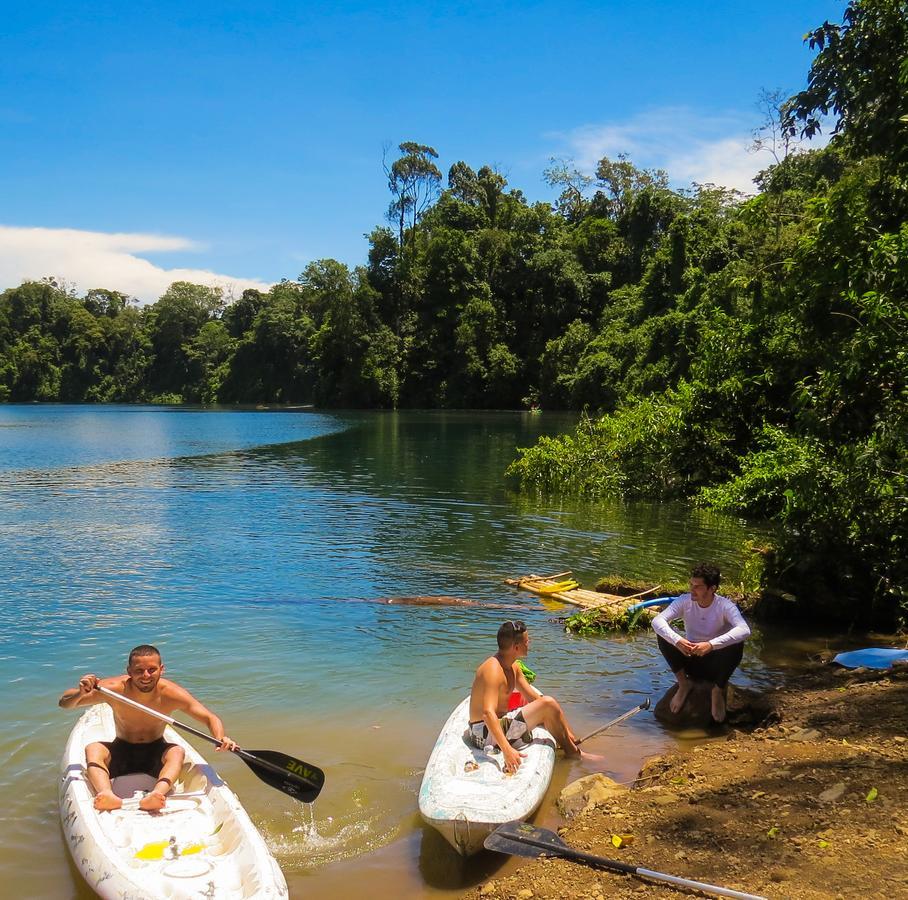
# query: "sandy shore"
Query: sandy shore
812,806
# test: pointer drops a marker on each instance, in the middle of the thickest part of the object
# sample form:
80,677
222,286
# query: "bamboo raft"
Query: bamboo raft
564,589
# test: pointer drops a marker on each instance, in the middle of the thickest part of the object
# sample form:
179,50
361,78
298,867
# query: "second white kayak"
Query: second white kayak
465,793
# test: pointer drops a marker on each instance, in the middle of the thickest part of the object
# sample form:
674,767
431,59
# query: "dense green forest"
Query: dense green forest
757,361
748,352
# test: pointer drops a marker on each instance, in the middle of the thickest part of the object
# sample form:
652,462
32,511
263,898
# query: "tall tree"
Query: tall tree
572,202
622,182
174,322
414,181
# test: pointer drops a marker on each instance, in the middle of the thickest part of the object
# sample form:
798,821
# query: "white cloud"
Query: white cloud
729,162
690,147
94,259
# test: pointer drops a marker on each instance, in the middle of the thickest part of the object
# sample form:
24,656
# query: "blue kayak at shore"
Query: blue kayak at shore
870,658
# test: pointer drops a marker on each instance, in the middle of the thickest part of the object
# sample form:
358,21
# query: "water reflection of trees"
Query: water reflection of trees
440,476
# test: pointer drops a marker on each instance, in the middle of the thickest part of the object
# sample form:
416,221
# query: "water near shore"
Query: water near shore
250,546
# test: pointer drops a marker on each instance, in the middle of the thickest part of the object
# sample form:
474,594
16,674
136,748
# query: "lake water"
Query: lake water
250,547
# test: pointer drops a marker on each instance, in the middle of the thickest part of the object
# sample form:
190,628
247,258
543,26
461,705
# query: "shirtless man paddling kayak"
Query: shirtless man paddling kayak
140,744
496,678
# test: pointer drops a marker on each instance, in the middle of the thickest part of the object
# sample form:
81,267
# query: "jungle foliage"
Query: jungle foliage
769,365
748,352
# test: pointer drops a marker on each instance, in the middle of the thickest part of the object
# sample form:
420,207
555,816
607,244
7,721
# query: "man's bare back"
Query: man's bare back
492,675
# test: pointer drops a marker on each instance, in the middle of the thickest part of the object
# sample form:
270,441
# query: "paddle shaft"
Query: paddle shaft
591,858
631,712
244,754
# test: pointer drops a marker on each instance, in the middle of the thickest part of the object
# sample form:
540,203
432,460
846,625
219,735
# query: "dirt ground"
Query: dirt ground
812,805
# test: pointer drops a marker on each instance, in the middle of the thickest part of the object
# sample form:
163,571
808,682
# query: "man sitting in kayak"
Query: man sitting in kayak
714,643
496,679
140,744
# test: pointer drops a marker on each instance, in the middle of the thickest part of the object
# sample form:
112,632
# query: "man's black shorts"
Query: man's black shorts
127,758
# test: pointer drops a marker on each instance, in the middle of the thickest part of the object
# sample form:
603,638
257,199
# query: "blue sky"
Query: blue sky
144,142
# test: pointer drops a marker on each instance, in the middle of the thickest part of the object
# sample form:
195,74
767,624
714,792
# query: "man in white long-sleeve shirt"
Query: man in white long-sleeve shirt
714,643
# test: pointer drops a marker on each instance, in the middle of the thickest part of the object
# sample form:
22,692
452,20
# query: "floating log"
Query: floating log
438,600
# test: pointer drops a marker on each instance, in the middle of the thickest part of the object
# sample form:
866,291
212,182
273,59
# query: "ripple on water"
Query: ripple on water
313,842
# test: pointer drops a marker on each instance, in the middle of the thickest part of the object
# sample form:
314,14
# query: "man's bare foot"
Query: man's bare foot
680,698
591,757
107,800
718,704
152,802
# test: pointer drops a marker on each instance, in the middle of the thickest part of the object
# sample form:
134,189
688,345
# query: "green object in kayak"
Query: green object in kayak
529,674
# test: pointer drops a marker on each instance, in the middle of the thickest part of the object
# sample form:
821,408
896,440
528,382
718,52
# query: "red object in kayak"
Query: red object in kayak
516,700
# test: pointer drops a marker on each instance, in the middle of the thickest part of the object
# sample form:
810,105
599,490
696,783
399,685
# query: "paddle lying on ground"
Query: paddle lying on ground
523,839
631,712
297,779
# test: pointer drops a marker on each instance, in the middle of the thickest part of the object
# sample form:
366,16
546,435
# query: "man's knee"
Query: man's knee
541,711
672,655
97,752
175,756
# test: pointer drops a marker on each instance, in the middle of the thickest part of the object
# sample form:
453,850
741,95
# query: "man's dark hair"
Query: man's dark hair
709,572
143,650
509,633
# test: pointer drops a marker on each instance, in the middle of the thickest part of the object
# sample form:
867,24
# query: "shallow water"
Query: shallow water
250,546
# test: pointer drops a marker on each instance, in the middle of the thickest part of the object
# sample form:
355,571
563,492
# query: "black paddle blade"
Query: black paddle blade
523,839
297,779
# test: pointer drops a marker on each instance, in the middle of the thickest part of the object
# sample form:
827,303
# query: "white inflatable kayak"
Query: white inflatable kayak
202,844
465,793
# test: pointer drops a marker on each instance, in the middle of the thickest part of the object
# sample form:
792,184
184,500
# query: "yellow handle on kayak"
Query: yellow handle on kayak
158,849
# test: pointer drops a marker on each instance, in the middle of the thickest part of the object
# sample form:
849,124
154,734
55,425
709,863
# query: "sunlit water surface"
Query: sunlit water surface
250,547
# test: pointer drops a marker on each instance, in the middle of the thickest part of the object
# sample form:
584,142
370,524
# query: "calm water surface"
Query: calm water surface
250,547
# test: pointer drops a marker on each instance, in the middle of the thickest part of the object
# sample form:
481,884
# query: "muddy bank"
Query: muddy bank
812,806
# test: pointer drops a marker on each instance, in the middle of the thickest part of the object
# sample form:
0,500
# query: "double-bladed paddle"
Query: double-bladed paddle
297,779
631,712
523,839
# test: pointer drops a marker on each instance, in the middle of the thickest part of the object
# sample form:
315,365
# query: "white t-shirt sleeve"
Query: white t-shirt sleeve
675,610
739,630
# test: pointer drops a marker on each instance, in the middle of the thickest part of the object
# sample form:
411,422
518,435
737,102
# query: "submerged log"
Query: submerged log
440,600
